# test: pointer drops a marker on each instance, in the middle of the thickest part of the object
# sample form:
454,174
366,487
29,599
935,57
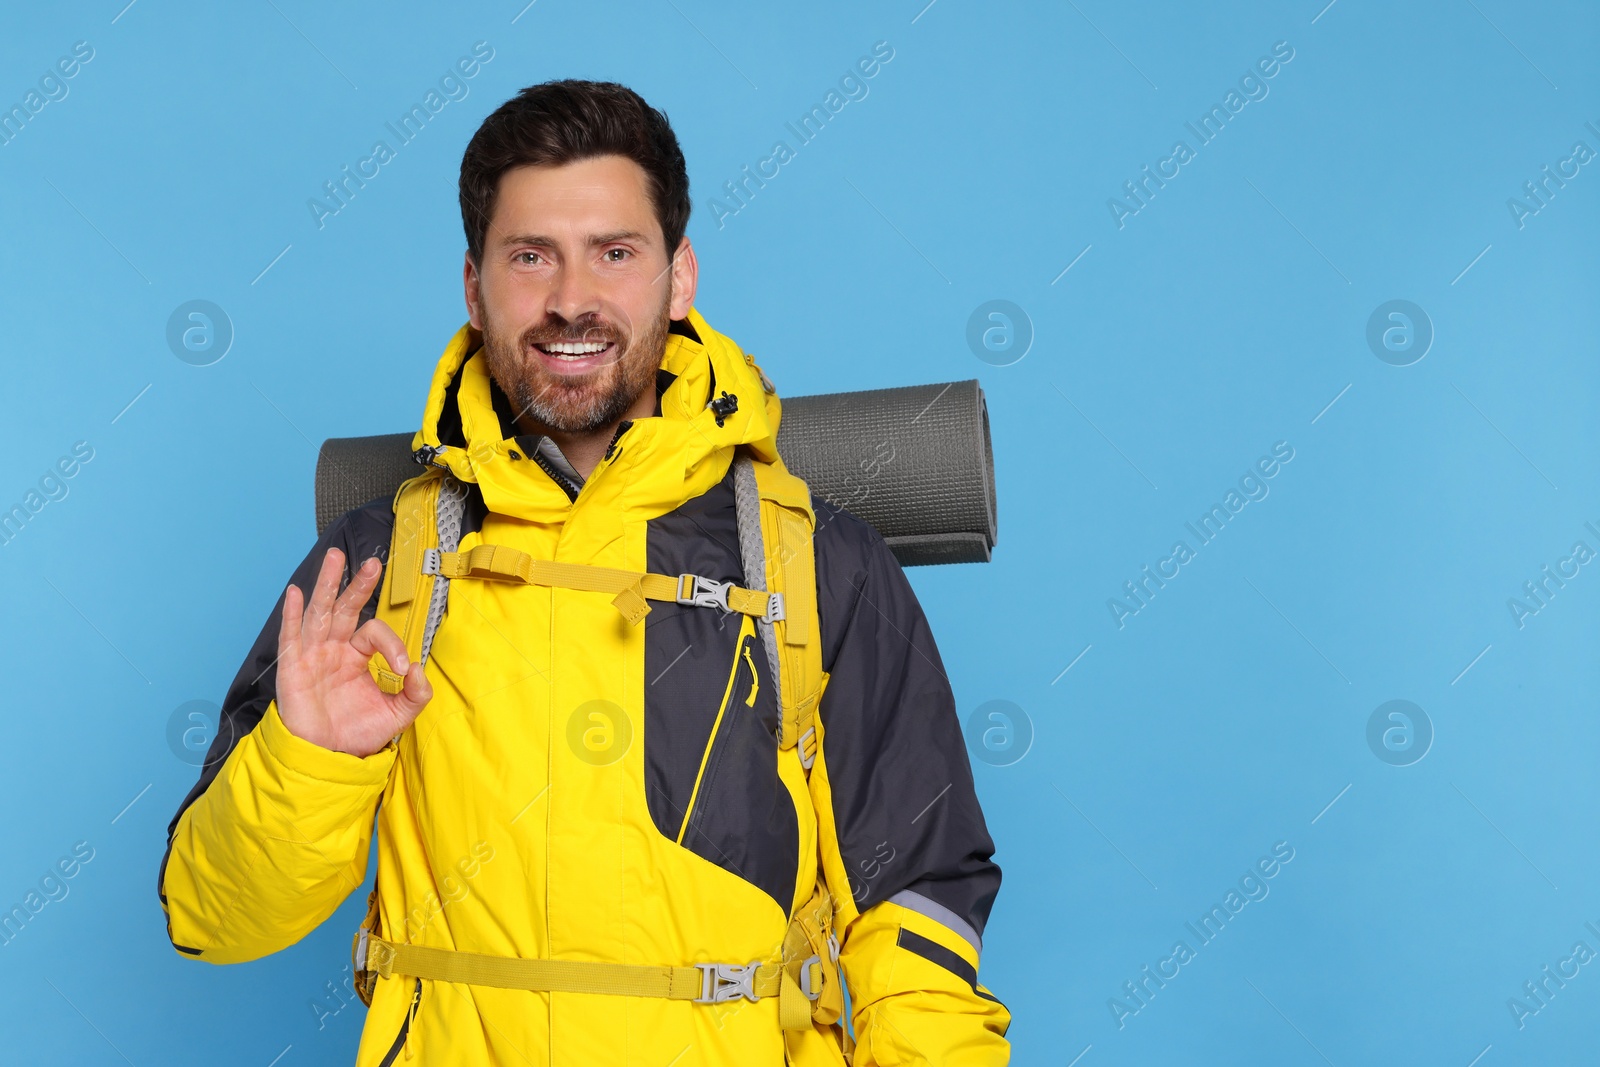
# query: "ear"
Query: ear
685,276
469,282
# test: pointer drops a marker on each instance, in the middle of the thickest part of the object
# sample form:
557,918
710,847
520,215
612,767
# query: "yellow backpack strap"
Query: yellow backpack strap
776,539
811,962
427,514
794,643
632,588
703,983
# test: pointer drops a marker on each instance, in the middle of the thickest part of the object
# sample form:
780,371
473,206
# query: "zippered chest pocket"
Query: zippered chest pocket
736,716
712,780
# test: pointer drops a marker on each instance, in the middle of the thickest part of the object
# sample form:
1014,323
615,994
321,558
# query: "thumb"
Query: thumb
413,696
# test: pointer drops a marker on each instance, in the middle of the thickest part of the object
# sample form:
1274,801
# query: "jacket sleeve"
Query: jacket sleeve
276,832
905,849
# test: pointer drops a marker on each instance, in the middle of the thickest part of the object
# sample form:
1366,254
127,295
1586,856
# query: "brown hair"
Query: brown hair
564,121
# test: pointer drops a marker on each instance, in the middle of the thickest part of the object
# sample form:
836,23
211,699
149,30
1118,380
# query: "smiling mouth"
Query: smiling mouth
575,355
572,349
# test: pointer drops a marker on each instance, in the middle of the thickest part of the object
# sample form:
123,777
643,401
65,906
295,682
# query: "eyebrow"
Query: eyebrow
596,239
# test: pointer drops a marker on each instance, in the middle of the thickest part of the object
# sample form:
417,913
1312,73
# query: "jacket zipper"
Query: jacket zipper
567,485
405,1027
724,721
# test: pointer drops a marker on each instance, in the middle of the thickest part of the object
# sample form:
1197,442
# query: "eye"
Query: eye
522,257
621,251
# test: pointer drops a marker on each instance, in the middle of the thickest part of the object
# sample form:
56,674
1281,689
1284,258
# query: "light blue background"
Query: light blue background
1222,318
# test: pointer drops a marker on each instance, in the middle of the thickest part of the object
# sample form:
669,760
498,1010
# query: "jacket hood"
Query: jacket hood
467,425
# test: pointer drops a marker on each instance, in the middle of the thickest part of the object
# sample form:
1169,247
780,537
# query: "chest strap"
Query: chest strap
633,588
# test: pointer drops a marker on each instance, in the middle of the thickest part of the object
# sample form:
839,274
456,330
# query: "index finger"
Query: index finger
289,624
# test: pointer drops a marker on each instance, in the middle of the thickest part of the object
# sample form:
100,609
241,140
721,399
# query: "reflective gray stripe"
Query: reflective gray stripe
940,914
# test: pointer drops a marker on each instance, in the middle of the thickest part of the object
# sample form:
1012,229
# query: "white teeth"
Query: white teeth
573,348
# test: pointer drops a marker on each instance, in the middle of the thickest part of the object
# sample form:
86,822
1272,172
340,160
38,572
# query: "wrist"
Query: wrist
319,761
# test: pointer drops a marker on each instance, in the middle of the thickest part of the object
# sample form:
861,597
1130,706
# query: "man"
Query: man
555,782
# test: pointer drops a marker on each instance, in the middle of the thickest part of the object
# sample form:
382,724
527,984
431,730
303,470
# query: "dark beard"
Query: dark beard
579,404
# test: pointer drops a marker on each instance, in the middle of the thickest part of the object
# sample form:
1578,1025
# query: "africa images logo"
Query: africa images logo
1208,127
452,87
852,86
1252,486
1252,887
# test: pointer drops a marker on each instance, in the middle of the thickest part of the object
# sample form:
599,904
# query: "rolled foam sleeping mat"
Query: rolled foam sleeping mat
914,461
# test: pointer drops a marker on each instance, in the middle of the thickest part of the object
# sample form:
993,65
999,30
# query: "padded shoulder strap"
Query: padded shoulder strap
777,549
776,526
427,514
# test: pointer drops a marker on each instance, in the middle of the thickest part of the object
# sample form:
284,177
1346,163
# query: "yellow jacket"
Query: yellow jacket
583,789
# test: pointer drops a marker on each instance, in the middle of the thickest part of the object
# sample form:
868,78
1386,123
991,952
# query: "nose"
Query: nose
574,293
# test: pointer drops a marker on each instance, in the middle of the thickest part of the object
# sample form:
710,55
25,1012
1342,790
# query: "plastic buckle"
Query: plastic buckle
833,946
722,982
431,561
807,761
698,592
774,612
805,977
361,949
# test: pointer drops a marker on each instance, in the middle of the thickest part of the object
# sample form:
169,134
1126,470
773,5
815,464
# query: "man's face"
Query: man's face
576,291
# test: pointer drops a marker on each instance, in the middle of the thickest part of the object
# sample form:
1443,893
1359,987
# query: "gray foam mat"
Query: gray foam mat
913,461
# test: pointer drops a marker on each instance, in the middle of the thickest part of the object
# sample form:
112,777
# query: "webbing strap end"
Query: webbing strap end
388,681
631,602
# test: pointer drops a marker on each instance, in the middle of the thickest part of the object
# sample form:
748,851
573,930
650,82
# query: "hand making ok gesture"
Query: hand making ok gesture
325,693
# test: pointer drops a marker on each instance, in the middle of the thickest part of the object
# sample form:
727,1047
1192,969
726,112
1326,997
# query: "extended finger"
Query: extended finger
347,610
289,624
376,635
319,611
